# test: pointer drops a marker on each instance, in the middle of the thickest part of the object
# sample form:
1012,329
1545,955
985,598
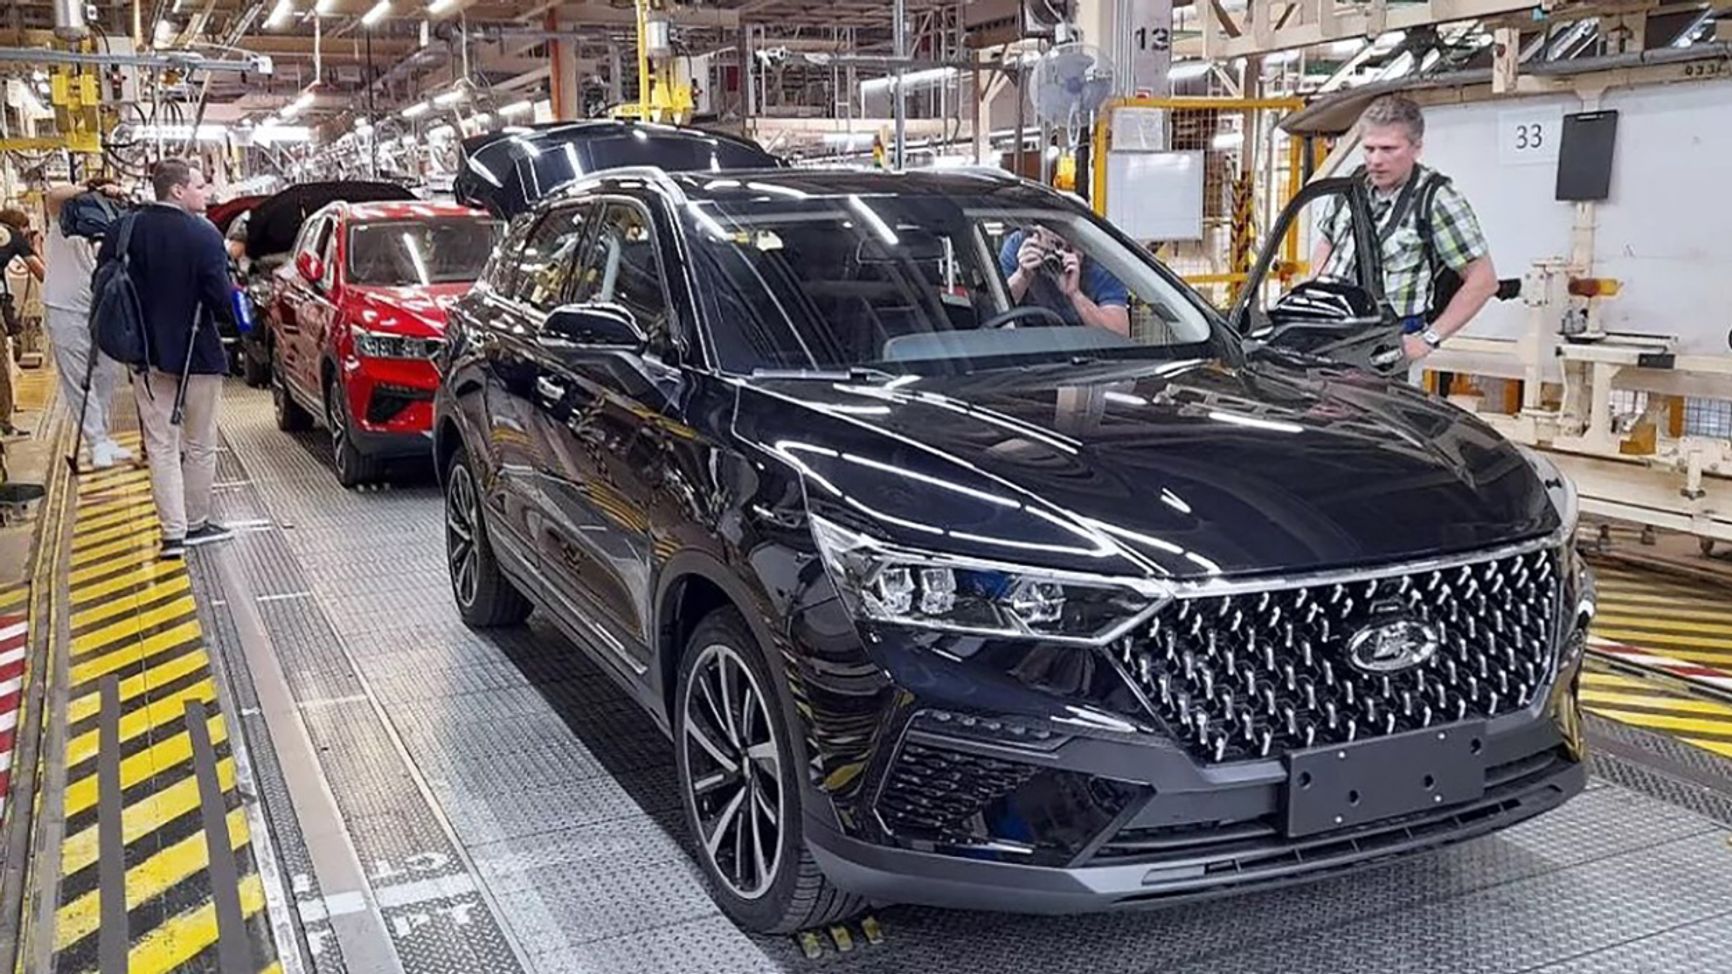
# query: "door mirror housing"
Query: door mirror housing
311,268
595,326
1335,320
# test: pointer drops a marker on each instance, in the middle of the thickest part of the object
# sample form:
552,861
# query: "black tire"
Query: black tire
352,465
485,596
291,418
797,896
255,366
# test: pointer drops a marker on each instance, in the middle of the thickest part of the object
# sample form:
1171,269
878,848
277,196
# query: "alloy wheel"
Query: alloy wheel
461,520
338,421
734,781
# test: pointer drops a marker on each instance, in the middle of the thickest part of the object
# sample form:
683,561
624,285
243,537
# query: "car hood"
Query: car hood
277,219
1180,469
417,312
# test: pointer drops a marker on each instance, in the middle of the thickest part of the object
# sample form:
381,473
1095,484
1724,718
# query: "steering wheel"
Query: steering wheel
1020,312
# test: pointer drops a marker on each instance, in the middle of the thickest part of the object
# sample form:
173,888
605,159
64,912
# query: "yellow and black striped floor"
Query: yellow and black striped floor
156,872
1672,617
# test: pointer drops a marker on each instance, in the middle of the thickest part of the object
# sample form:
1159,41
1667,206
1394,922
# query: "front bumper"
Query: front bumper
1189,842
391,402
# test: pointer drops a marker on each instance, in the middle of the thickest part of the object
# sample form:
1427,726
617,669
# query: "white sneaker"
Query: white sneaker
116,452
101,455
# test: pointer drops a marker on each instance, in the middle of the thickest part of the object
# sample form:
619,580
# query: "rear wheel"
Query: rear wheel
741,786
485,597
291,418
353,466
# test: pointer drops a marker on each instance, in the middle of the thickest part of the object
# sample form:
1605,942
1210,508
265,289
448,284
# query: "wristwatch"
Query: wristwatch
1431,337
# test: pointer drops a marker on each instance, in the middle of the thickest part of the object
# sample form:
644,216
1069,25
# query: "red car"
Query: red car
356,315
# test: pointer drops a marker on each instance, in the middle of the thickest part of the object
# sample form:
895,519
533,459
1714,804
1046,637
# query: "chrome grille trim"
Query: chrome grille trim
1239,673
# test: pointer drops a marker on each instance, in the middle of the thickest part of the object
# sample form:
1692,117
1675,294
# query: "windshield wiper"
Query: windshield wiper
854,373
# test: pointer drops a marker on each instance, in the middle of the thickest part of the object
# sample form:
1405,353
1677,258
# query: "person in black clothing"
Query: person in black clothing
180,269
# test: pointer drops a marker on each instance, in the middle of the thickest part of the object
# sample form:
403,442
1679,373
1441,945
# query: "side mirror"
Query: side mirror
595,326
1334,320
311,267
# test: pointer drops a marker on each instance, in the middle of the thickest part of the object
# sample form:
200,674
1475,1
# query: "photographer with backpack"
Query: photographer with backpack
161,279
1437,267
78,217
14,245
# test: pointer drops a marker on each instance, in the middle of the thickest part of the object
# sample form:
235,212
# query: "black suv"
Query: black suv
970,559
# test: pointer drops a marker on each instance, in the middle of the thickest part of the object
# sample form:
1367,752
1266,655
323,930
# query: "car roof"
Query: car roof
411,210
737,184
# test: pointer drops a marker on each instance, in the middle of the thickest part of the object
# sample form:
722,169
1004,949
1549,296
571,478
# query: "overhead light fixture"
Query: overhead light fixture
280,14
166,31
324,7
439,6
1187,70
517,108
417,110
302,102
451,97
481,118
376,14
441,132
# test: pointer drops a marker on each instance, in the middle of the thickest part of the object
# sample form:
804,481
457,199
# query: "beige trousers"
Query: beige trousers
182,458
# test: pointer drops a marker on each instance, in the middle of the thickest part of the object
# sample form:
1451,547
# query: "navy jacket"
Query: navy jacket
180,269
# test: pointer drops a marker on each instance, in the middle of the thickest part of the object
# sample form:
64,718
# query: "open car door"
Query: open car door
1345,319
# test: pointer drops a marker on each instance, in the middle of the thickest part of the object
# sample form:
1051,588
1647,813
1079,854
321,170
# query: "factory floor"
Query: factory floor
289,754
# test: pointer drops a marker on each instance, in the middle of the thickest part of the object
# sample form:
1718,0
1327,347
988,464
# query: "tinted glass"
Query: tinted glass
398,253
624,270
924,281
549,255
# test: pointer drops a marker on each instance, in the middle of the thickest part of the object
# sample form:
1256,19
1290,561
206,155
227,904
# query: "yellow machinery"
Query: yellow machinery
664,94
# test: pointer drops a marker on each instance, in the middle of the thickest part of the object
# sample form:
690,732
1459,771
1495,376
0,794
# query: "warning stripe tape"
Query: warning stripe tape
155,870
14,642
1697,721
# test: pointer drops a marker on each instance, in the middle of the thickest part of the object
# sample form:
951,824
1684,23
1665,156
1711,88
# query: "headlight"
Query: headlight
930,590
378,344
1559,488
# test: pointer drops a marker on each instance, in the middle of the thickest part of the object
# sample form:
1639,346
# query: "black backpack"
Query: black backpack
1444,280
116,315
88,215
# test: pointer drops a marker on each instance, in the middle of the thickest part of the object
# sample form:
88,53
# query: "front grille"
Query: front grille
936,791
1254,674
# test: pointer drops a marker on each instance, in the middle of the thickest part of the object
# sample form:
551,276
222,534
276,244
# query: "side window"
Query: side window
309,234
545,265
328,254
500,274
624,269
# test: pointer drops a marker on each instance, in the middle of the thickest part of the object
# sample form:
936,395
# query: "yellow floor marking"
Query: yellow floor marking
171,707
1612,678
142,818
1649,611
153,760
1639,637
1667,621
1684,724
131,512
14,599
129,563
84,540
157,676
148,879
138,542
128,603
183,937
276,967
130,628
110,480
151,574
1681,705
124,656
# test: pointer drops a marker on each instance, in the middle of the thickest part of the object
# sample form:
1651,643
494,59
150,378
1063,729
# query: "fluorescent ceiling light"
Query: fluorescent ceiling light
481,118
417,110
180,133
439,6
441,132
280,14
1347,47
517,108
376,14
271,132
323,7
451,97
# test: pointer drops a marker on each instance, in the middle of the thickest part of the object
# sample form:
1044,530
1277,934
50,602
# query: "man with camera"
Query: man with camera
1043,270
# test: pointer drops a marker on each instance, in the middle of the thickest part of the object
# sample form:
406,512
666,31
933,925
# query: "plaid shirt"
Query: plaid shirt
1455,238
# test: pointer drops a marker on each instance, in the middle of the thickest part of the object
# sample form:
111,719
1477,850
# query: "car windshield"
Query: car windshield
407,253
927,282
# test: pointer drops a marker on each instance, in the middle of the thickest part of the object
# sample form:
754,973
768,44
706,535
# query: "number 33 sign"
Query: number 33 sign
1529,136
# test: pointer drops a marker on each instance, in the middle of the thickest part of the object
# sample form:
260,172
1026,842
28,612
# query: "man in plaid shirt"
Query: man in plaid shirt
1392,132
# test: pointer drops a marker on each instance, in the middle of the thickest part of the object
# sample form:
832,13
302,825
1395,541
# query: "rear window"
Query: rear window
674,154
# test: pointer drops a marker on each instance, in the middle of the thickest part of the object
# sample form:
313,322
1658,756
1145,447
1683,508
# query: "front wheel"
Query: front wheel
353,466
741,787
485,596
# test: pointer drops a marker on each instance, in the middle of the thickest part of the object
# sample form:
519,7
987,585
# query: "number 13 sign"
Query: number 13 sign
1529,136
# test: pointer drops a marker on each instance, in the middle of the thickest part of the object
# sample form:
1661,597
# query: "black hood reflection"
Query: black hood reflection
1186,469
